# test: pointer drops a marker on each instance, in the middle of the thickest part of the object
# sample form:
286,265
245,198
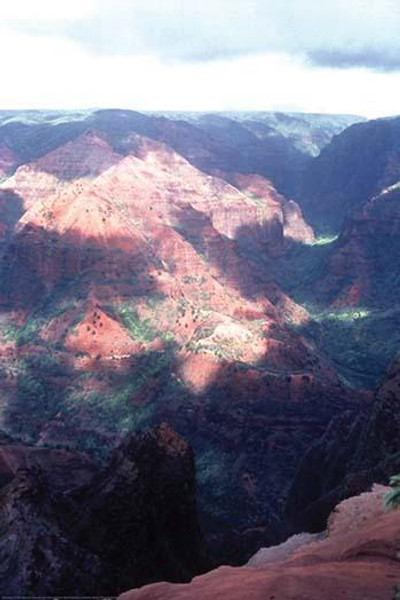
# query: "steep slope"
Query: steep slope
134,523
356,559
359,270
308,132
11,210
275,145
287,221
65,468
163,179
8,161
355,166
349,457
349,282
127,270
356,290
83,158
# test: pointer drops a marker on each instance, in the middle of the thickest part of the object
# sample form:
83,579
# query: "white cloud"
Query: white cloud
339,33
48,72
346,32
55,71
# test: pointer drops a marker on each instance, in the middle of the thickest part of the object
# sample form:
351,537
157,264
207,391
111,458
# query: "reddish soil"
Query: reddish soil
358,560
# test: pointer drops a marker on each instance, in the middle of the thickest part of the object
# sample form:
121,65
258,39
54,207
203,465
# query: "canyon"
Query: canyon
227,282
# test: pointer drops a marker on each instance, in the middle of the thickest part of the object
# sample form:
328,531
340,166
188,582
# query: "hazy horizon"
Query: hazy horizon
78,109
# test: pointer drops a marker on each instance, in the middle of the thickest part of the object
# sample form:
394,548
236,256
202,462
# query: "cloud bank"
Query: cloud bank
341,56
338,33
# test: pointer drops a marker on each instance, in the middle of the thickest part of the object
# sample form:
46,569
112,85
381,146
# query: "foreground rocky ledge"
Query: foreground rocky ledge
356,559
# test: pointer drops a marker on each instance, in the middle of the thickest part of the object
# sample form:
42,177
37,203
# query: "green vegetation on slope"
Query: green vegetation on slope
139,329
360,340
121,405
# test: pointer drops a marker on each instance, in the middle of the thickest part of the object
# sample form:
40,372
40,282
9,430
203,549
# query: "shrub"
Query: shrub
392,498
138,329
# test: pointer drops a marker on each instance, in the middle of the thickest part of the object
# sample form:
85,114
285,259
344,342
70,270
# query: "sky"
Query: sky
340,56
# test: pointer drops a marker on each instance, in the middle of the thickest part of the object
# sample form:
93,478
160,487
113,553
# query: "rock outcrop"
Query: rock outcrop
351,455
357,272
65,469
133,523
356,559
